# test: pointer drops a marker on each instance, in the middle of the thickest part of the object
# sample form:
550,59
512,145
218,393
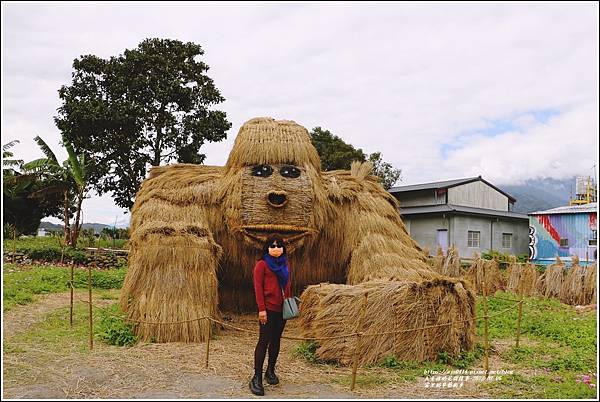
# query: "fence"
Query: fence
359,333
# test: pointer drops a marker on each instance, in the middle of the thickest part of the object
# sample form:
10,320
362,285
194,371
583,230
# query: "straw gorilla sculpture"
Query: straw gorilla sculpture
197,231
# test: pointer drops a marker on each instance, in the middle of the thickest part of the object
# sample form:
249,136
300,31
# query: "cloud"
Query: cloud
420,82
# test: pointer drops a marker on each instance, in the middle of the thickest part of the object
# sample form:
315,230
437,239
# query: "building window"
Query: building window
506,240
592,242
473,239
564,242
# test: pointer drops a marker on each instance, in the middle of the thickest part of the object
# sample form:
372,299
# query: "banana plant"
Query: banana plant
68,178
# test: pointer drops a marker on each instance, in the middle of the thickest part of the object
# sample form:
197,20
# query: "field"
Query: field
45,358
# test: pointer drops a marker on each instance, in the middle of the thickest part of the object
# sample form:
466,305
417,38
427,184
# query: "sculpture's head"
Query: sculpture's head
278,171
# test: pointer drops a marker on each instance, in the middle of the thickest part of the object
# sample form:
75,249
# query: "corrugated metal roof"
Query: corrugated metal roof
447,208
569,209
447,184
432,185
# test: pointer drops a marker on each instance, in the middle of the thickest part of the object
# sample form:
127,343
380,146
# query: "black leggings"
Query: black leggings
270,336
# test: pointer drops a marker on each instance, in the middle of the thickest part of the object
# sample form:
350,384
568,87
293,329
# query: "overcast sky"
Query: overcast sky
507,91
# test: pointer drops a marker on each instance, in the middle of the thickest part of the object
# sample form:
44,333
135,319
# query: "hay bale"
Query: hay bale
330,309
579,285
482,270
550,282
523,275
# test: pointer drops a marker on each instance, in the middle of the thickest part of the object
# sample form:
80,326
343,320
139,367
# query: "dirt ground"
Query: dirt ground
177,370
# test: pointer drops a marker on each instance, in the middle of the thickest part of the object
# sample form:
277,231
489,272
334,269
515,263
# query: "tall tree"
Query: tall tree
335,153
147,106
388,175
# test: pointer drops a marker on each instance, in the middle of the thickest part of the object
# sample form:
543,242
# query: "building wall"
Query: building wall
420,198
424,231
477,194
547,230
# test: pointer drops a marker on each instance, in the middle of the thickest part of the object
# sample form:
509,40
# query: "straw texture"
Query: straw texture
197,232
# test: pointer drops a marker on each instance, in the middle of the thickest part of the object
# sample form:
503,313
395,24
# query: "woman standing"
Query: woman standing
271,280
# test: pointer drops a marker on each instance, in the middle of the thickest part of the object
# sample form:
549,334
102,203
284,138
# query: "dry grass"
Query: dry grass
522,277
485,271
451,265
550,282
579,285
330,310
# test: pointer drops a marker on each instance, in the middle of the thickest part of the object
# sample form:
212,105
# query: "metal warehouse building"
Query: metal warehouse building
470,213
564,232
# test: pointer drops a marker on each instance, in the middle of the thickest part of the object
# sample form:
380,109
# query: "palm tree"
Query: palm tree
66,178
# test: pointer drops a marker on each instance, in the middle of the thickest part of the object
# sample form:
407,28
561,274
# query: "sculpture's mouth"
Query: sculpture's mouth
259,234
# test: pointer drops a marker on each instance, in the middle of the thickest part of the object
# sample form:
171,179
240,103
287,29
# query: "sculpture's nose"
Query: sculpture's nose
277,199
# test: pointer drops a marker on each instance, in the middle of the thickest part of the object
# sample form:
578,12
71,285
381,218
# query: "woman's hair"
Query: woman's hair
271,240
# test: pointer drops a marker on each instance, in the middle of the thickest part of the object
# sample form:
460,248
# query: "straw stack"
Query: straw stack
329,310
438,260
579,286
550,282
522,275
485,271
451,265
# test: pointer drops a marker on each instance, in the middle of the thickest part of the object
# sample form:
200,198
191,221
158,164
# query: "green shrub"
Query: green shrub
307,350
113,329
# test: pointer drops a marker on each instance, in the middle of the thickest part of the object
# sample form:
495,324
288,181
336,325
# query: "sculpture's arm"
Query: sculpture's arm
381,248
173,259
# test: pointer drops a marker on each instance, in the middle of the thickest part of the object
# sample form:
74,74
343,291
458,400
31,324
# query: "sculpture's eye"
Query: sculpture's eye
289,171
262,170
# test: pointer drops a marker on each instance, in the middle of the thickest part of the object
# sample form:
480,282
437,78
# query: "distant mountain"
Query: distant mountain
537,195
96,226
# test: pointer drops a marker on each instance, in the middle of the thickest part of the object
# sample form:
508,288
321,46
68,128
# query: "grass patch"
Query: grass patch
113,329
21,285
550,323
561,385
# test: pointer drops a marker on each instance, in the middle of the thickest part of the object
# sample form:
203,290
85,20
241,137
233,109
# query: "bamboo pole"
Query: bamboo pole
208,328
90,303
14,256
485,333
71,303
520,316
207,342
361,318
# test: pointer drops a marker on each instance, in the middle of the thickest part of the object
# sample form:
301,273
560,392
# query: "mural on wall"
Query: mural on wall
575,231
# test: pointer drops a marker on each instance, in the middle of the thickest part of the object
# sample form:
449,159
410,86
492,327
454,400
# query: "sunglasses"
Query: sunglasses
275,246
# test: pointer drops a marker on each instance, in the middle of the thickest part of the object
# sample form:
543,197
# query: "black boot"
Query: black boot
270,376
256,385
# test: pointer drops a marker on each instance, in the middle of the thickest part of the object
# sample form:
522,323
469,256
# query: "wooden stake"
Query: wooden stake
518,336
361,318
90,303
14,257
485,333
208,329
207,341
71,304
